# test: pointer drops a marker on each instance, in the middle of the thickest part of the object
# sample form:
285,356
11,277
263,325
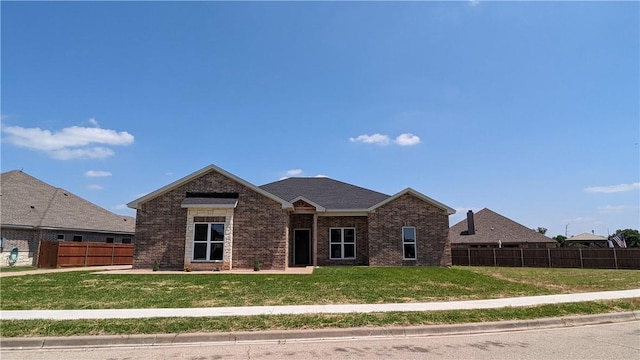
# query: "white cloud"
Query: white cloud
97,173
87,153
321,176
294,172
474,2
94,187
121,207
613,188
609,209
73,142
407,139
371,139
93,122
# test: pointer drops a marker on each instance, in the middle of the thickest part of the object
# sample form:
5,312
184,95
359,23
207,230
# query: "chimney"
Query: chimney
470,223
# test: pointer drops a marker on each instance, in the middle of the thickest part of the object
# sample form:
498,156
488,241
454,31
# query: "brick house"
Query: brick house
33,210
488,229
212,219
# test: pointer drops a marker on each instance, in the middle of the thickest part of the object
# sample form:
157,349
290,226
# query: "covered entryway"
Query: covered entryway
301,247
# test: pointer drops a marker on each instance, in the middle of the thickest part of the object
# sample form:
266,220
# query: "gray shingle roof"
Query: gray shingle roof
491,227
29,202
328,193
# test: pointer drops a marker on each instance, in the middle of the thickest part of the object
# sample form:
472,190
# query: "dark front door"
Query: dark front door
301,247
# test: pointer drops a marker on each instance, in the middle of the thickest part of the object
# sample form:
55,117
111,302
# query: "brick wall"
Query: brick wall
27,243
260,226
361,225
432,233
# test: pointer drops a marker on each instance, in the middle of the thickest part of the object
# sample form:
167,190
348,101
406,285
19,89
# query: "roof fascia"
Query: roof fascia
449,210
132,233
135,203
344,212
210,206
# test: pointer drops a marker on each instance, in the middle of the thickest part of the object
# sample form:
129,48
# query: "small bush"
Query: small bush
256,265
156,266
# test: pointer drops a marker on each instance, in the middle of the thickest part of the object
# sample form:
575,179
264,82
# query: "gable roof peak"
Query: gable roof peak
419,195
209,168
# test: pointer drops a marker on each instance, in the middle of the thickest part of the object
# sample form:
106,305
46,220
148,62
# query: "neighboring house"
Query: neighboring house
212,220
492,230
589,240
33,210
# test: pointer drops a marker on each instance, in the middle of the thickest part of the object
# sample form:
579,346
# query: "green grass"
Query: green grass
334,285
566,280
17,268
286,322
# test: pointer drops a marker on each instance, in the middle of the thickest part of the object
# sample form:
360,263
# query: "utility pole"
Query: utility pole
566,231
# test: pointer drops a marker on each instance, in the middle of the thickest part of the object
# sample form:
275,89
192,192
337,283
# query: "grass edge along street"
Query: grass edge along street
537,281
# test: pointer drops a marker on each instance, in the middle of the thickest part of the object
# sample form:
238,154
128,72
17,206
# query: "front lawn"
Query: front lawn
333,285
17,268
15,328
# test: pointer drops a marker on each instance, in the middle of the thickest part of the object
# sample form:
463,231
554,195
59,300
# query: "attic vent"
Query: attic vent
213,195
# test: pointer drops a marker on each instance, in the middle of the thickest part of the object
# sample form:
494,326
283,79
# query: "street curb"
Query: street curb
283,336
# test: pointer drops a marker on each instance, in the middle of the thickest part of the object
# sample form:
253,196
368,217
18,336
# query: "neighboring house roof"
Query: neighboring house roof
587,237
30,203
491,227
325,192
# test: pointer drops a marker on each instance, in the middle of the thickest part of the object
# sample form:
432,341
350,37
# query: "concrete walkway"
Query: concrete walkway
313,309
128,270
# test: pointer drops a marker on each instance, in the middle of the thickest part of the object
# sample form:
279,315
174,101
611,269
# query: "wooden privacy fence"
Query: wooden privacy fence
610,258
56,254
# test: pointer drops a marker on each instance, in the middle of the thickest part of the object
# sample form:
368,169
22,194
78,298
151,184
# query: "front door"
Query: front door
301,247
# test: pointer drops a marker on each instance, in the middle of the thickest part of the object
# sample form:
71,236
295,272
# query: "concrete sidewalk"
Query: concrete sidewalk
284,336
313,309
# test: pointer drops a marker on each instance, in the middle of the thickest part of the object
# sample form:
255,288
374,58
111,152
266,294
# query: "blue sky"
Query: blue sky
530,109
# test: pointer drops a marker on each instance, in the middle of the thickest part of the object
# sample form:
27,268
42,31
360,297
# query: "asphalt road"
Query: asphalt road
607,341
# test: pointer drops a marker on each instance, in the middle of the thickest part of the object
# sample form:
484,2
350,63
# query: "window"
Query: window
60,237
77,238
208,242
342,243
409,243
126,240
109,240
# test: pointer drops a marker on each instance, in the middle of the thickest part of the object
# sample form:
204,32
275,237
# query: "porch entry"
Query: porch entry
301,247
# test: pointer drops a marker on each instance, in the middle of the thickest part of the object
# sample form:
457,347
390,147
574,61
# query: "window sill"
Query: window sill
207,261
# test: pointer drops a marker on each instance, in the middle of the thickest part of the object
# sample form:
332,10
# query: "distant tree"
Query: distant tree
560,239
631,237
541,230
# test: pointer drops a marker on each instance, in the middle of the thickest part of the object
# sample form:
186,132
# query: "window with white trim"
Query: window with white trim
408,243
208,242
342,243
